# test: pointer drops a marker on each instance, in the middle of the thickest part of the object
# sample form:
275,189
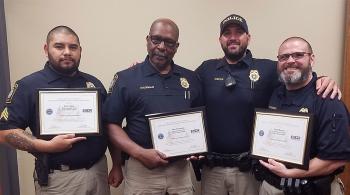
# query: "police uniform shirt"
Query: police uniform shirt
230,111
330,134
20,112
141,90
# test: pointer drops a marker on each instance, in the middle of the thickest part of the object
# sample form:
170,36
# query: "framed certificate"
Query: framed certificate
179,133
283,136
62,111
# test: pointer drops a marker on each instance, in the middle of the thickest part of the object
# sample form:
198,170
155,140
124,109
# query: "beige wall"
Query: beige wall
113,32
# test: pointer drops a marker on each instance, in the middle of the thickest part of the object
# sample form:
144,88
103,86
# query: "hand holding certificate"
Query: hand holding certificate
63,111
179,134
282,136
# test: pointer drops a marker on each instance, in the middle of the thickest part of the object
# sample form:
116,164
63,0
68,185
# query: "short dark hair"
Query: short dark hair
61,29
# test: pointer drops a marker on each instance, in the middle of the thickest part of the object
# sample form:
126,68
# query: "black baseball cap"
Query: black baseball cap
233,19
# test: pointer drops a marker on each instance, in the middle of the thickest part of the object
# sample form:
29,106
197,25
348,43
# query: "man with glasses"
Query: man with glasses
330,142
156,85
233,87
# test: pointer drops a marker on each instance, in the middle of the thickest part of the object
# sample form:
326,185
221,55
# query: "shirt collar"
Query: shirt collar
149,70
247,60
297,96
53,75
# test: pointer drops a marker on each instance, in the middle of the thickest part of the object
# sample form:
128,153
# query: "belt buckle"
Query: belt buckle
64,168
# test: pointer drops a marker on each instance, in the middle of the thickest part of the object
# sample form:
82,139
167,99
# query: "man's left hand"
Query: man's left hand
115,176
276,167
325,85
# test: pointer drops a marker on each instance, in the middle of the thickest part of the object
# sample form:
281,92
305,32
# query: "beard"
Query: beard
62,68
235,55
296,77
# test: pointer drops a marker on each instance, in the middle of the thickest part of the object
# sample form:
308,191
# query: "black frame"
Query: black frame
182,112
67,90
306,157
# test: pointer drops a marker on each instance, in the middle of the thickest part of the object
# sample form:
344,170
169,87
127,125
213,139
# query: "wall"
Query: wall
112,34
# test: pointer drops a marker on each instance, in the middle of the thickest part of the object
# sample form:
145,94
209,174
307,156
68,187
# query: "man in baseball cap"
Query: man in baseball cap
233,19
233,87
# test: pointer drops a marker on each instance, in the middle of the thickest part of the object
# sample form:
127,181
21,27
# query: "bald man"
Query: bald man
156,85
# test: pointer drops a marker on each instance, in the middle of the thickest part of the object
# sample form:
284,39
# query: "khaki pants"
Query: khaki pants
228,180
91,181
173,179
337,188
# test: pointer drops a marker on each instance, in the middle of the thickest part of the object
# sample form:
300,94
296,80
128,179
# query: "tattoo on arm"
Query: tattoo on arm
21,140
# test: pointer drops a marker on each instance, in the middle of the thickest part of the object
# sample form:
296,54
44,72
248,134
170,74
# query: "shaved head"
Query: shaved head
165,22
298,39
61,29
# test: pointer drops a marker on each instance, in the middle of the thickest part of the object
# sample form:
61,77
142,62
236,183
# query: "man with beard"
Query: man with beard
64,164
330,140
156,85
233,87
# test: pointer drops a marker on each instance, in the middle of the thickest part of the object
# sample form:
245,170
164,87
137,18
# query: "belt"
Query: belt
227,160
301,183
273,180
62,167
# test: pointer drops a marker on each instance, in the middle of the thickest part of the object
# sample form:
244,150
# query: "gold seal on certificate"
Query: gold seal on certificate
282,136
62,111
179,133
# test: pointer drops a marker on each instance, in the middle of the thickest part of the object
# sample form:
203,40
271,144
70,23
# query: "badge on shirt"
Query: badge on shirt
184,83
11,94
4,114
254,75
90,85
304,110
111,86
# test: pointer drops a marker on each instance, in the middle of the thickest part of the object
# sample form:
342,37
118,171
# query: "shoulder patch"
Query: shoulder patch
4,114
90,85
304,110
11,94
113,82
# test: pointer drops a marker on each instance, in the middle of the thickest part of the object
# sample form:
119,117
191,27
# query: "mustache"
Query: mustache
233,42
290,66
161,54
66,58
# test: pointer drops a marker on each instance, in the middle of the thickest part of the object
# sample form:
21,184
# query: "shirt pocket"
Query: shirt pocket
164,101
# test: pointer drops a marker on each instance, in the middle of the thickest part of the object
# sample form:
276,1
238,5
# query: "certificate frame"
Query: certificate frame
54,97
287,139
168,128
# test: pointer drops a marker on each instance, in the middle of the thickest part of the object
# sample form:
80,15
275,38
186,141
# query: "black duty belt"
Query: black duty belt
242,161
63,167
301,185
67,167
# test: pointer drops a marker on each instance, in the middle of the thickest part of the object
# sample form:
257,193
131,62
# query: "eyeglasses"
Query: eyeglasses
295,56
157,40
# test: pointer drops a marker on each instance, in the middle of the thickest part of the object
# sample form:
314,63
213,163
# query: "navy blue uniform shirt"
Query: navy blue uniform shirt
141,90
230,111
21,109
330,135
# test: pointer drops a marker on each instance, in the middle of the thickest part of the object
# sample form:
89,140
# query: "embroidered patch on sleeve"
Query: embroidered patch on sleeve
4,114
90,85
11,94
111,86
